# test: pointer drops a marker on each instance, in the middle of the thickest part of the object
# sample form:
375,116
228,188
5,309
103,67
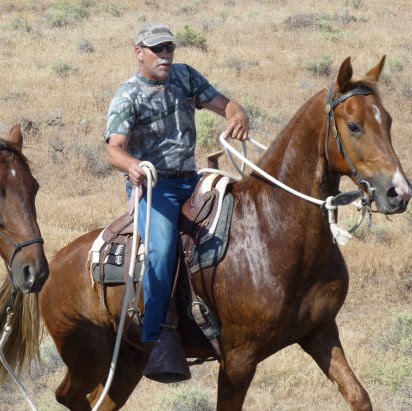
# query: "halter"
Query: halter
331,104
17,247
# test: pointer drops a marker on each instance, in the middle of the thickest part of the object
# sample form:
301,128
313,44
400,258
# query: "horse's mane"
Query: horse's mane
23,344
6,146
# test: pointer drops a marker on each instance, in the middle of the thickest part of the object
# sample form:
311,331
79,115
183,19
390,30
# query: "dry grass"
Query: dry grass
257,52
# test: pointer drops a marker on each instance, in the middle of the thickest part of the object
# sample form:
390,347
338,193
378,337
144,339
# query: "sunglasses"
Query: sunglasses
170,48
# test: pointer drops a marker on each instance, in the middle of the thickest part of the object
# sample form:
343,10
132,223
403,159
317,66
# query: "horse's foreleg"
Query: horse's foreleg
235,375
129,371
71,394
324,345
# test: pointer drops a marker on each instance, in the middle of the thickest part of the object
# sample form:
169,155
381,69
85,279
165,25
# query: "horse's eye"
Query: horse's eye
354,128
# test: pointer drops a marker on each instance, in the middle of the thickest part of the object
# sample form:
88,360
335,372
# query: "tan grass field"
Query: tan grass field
257,53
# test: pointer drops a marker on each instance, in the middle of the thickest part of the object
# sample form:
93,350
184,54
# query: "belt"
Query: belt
180,174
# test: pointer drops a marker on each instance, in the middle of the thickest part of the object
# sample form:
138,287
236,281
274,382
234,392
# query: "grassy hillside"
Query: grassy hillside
62,61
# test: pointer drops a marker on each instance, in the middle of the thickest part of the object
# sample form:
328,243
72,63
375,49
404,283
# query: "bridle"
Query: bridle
329,109
17,247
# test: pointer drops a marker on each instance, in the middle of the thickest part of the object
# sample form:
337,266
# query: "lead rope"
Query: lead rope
151,182
340,235
6,334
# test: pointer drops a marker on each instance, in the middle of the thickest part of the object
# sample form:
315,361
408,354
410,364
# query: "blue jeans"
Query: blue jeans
167,198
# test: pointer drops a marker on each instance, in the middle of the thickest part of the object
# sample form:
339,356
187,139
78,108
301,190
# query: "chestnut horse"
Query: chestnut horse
282,280
21,248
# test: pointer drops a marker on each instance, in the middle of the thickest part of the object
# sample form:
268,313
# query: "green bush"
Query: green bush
301,21
189,37
321,67
63,69
65,13
329,31
206,129
393,368
114,10
185,398
399,334
20,24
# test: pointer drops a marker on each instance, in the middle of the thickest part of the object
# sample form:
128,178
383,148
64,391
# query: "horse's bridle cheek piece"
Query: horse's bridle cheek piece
17,247
330,120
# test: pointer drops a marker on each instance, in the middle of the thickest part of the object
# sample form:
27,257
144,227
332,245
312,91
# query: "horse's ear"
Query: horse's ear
15,137
345,75
375,73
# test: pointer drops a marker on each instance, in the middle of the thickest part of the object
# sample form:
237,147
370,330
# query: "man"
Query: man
151,118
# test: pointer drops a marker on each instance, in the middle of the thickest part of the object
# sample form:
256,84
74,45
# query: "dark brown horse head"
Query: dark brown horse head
361,146
21,245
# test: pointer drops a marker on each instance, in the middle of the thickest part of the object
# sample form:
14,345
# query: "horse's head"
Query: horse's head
361,145
21,245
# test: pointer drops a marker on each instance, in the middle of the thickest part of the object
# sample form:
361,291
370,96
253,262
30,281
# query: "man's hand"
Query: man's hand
238,123
119,158
137,174
236,116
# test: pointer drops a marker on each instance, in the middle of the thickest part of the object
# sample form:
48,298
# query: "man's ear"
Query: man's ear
139,52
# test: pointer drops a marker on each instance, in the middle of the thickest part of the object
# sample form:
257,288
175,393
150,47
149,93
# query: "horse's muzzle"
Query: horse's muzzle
30,278
397,202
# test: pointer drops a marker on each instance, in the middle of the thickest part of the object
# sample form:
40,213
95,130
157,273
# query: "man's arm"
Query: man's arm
236,116
120,159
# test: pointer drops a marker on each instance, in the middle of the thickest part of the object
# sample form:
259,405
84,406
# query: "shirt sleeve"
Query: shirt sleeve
120,117
202,89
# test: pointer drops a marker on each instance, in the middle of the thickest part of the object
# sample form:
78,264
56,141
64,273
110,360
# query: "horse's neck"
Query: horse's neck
297,158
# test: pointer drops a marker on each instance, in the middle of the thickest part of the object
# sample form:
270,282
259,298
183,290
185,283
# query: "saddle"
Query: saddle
204,223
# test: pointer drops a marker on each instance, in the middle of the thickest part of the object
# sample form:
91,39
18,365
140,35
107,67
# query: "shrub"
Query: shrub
114,10
185,398
191,38
63,69
394,65
322,67
257,116
206,129
393,367
65,13
20,24
96,161
301,21
330,32
399,334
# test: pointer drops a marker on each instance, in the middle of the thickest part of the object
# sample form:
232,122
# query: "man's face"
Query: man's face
156,61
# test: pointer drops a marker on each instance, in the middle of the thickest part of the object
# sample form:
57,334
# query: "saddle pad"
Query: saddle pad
210,252
115,274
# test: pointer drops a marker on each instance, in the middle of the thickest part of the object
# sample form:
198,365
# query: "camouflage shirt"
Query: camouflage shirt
158,118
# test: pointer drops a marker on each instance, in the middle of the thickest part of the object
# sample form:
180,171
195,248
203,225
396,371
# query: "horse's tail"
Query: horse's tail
23,344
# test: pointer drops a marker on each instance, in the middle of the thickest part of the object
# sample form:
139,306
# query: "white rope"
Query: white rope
263,173
6,333
151,182
340,235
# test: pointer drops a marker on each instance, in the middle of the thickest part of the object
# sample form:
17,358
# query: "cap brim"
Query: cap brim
165,38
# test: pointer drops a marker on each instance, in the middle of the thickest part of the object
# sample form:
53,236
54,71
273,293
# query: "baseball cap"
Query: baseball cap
151,34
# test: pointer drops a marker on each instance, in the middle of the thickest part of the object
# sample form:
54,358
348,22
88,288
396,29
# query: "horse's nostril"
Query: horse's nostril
28,276
392,193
